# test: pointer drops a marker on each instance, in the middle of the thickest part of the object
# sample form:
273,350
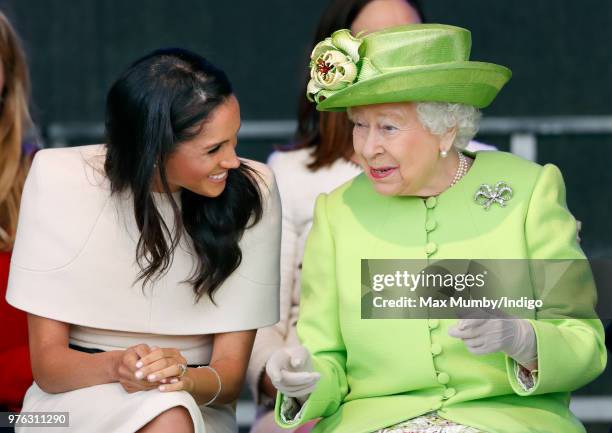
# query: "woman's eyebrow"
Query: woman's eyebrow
212,145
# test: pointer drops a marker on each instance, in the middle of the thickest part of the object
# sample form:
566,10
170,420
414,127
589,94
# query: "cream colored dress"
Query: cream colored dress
74,261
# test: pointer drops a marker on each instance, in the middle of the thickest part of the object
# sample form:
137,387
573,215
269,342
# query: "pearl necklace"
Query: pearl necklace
461,169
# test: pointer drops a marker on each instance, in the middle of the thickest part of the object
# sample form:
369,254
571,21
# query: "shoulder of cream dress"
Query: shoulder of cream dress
75,257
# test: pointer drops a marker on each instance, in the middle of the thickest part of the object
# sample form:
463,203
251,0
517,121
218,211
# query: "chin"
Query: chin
209,191
385,189
213,192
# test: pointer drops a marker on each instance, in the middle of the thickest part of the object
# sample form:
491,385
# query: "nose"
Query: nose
371,145
230,159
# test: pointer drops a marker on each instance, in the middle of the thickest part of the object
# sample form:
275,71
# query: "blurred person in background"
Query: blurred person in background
145,264
16,153
320,159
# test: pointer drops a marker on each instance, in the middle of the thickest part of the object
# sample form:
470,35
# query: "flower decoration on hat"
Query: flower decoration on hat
333,65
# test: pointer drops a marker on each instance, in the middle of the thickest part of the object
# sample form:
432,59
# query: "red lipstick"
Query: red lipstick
381,172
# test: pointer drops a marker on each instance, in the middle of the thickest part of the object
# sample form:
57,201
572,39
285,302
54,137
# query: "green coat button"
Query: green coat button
431,225
431,248
436,349
449,392
443,378
433,323
431,202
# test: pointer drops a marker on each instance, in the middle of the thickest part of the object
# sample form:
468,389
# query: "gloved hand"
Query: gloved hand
290,370
515,337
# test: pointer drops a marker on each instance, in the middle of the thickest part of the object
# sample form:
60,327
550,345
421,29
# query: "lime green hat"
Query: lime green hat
417,62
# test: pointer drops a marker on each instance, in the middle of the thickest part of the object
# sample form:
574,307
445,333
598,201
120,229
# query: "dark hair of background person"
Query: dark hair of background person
155,105
14,121
330,133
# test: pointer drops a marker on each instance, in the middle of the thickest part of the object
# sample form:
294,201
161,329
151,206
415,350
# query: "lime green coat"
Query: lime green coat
375,373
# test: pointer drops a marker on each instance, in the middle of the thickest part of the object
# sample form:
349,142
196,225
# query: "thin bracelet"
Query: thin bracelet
218,380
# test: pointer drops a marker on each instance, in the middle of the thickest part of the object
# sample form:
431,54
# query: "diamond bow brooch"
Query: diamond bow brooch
487,195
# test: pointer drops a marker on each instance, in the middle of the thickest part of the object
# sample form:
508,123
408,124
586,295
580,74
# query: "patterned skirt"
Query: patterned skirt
429,423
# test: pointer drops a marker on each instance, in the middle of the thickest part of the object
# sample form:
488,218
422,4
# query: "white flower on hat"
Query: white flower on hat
333,64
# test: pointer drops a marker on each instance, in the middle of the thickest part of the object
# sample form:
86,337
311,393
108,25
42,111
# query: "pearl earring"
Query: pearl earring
444,153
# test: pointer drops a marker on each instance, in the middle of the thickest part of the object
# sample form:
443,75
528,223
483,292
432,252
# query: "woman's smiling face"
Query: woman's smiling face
201,164
396,152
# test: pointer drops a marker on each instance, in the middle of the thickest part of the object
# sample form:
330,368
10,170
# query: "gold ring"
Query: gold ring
182,370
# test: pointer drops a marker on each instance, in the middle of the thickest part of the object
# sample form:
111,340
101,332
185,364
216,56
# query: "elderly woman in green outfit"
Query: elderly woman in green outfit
413,97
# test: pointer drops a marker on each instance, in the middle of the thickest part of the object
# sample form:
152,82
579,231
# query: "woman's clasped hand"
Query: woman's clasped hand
143,368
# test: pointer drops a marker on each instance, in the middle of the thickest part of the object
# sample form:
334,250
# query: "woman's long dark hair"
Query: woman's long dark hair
162,100
329,134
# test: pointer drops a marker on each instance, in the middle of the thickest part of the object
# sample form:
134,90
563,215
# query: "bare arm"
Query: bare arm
57,368
230,357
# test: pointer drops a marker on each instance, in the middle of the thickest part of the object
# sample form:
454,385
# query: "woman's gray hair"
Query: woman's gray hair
439,117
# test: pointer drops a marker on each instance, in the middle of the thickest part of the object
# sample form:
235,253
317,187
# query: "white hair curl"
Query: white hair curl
439,117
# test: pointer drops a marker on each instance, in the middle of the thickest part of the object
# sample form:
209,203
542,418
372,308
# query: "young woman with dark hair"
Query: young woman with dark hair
140,136
146,264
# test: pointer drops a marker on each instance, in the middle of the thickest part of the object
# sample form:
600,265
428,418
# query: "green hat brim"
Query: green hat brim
471,83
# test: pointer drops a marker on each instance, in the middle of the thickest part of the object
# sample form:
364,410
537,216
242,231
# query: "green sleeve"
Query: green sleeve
570,337
318,326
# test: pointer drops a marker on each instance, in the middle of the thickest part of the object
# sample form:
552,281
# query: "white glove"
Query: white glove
515,337
290,370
